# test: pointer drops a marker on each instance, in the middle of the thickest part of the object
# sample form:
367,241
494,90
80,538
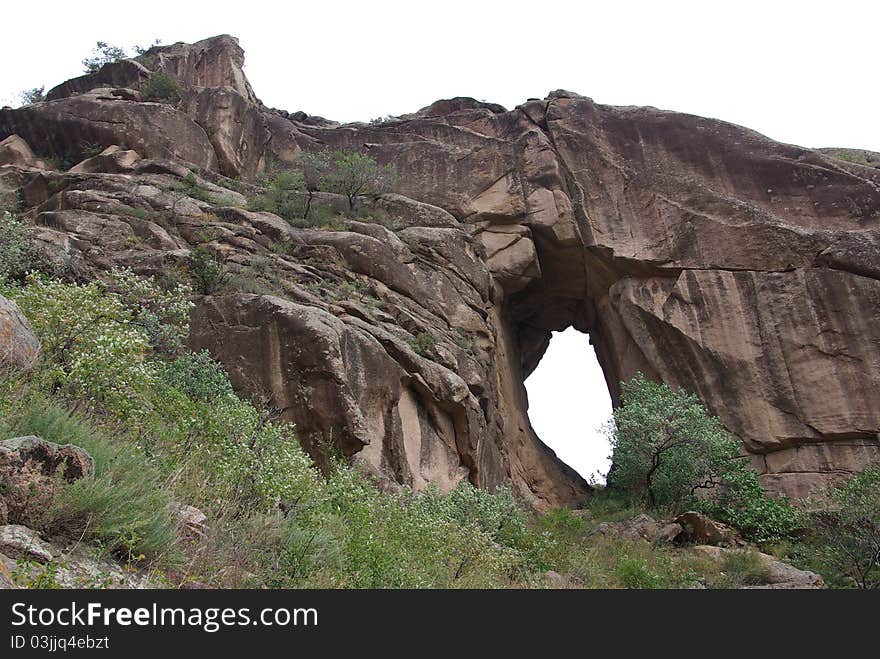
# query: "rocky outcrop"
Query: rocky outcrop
15,151
19,348
698,252
28,561
70,128
641,527
31,471
20,542
112,160
215,62
773,575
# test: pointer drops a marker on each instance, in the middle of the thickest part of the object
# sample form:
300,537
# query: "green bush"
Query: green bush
666,446
423,343
635,573
275,521
162,314
18,252
407,541
161,87
353,174
92,346
33,95
198,376
281,196
744,504
209,274
844,536
103,53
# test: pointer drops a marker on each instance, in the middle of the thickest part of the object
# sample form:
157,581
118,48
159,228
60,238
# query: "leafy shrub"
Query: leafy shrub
635,573
186,436
198,376
353,174
281,196
743,503
497,514
102,54
666,446
234,454
92,345
844,539
161,87
18,253
423,343
209,274
34,95
406,542
162,314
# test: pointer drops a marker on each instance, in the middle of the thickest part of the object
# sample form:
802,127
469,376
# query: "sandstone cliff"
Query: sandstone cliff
698,252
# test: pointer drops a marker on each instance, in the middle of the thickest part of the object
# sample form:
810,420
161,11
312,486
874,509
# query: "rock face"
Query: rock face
70,127
19,348
698,252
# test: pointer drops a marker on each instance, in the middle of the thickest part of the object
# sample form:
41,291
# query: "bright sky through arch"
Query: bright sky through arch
569,403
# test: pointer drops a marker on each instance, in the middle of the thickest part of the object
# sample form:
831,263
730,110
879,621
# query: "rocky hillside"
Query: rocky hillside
697,252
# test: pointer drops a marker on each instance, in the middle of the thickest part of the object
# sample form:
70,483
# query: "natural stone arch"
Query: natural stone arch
698,252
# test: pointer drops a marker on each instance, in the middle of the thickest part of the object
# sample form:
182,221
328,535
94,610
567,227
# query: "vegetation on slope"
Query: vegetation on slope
164,424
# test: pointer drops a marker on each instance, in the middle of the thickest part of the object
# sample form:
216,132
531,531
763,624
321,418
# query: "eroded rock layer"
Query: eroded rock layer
698,252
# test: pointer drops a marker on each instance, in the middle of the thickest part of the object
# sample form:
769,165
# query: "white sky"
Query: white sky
803,72
569,402
799,71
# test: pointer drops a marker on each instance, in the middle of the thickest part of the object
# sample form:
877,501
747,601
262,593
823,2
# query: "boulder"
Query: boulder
216,62
19,348
640,527
78,566
15,151
30,469
556,580
783,575
191,522
20,542
112,160
6,581
777,575
701,530
124,74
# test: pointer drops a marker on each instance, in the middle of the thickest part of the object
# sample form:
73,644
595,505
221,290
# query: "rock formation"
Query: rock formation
698,252
19,348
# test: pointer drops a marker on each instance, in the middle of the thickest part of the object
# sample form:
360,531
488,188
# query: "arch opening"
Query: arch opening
569,403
